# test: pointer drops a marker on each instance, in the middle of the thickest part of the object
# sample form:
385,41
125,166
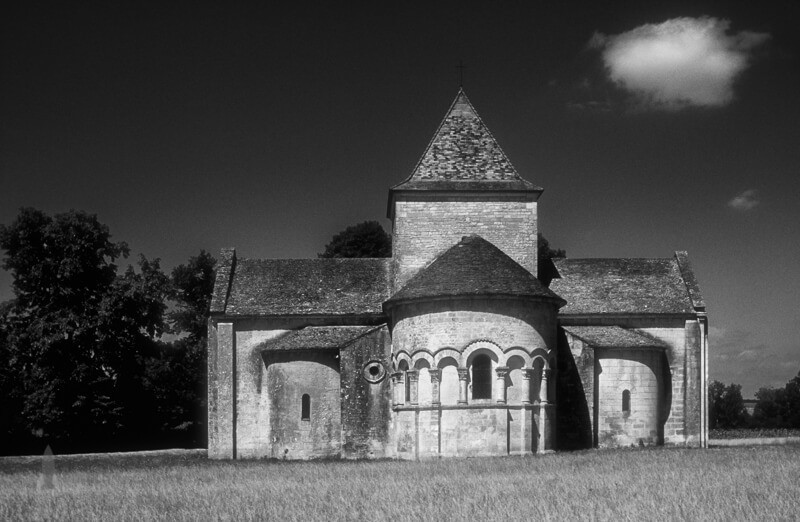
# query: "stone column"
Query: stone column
413,381
435,374
463,376
544,410
501,371
398,389
544,389
527,373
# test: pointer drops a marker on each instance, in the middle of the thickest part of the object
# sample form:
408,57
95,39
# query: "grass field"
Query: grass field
759,483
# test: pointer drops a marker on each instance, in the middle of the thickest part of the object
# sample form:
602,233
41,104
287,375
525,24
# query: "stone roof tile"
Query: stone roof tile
611,286
317,338
463,155
614,337
309,286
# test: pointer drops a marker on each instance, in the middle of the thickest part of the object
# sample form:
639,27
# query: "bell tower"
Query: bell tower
462,185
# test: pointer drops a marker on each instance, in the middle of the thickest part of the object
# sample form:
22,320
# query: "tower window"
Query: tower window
626,401
305,409
482,377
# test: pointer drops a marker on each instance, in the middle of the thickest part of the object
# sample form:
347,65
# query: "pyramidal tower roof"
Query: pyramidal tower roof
463,155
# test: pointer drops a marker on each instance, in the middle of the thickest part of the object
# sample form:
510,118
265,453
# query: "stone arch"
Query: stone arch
516,351
491,349
540,353
402,361
445,355
422,359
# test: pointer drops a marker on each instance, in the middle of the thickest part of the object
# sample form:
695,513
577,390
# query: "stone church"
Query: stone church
460,344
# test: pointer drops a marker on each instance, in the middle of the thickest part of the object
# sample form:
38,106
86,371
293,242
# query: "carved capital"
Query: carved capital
435,374
502,371
463,374
528,373
413,375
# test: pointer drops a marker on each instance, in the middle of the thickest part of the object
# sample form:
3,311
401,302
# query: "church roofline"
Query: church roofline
454,167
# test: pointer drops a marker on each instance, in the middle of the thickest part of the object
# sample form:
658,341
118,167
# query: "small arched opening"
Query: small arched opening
626,401
482,377
305,407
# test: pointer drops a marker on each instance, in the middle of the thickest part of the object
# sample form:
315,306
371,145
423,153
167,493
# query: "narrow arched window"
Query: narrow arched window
408,388
305,409
482,377
626,401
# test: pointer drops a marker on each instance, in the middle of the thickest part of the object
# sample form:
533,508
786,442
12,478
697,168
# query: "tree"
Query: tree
545,251
177,376
779,408
367,239
726,406
77,333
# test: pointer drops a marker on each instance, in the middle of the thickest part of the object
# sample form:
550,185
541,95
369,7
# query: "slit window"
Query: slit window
626,401
482,377
407,383
305,408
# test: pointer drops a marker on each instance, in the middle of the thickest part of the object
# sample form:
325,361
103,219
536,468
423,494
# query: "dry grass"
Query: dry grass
652,484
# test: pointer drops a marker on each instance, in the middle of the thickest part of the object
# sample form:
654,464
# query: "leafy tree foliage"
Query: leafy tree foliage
546,252
779,407
177,376
367,239
78,340
726,406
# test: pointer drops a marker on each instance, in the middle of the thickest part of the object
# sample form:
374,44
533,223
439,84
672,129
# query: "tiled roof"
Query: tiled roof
222,281
305,287
614,337
609,286
473,267
317,338
691,281
463,155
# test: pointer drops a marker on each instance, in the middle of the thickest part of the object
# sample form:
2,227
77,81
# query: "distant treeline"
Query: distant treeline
776,408
94,357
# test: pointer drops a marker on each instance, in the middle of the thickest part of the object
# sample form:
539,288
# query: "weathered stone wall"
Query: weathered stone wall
473,431
680,372
220,391
575,385
424,227
252,400
366,394
245,421
456,323
289,376
677,355
639,373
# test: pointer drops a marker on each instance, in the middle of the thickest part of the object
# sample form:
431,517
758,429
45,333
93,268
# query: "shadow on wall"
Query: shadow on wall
666,389
573,425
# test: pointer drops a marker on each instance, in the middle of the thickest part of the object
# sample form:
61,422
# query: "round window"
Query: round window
374,372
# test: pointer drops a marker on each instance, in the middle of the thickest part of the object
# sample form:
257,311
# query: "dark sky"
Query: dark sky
270,127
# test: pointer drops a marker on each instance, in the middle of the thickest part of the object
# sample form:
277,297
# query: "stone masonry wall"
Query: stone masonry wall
456,323
366,395
681,374
424,228
639,373
252,419
289,376
467,432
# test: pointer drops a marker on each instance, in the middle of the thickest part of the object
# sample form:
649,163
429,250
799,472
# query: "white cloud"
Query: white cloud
679,63
745,201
